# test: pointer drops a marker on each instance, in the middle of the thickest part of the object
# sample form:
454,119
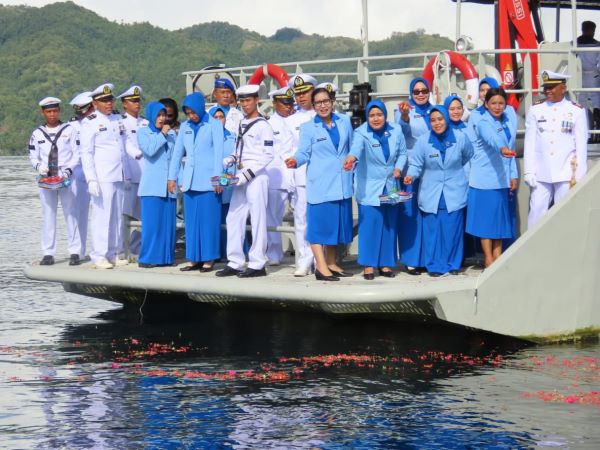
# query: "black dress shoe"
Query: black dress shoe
414,271
454,272
227,272
74,260
147,266
195,266
319,276
47,260
387,273
369,276
207,268
341,274
252,273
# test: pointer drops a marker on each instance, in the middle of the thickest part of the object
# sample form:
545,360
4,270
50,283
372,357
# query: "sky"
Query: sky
334,17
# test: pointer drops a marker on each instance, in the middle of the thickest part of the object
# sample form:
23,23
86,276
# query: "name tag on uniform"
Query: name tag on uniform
321,139
376,145
275,132
542,120
188,132
41,142
32,147
434,155
102,129
268,143
499,130
132,131
418,116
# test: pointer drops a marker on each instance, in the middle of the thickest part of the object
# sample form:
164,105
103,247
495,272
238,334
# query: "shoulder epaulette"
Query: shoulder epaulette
91,116
576,104
539,101
124,116
72,119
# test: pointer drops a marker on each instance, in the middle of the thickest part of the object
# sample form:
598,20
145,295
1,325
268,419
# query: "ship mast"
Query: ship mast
363,65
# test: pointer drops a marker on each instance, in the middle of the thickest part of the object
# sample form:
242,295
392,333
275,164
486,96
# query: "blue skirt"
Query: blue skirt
329,223
488,214
410,229
158,230
443,244
377,234
512,208
202,225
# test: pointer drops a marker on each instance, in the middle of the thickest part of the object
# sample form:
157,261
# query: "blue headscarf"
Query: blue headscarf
196,103
444,140
382,134
458,124
492,83
153,109
421,109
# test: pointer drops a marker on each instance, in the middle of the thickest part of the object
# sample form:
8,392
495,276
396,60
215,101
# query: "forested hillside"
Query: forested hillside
62,49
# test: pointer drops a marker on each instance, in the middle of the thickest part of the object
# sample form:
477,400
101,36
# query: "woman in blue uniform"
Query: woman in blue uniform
438,159
413,117
156,141
493,176
324,144
201,139
379,152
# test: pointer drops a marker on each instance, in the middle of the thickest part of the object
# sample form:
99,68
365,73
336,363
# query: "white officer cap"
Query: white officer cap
103,91
81,100
49,102
248,90
330,87
550,78
133,93
302,83
284,95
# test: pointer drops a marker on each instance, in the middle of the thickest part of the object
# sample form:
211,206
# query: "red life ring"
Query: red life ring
273,70
463,64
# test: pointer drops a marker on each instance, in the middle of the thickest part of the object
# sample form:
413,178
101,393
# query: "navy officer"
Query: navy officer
53,153
555,153
253,153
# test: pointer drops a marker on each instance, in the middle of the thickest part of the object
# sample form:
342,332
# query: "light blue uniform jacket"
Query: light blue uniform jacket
158,152
415,127
204,155
372,171
326,179
489,169
437,176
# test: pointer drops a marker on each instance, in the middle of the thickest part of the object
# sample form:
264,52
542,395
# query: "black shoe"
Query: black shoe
319,276
195,266
387,273
342,274
414,271
47,260
369,276
227,272
207,268
147,266
454,272
74,260
438,274
253,273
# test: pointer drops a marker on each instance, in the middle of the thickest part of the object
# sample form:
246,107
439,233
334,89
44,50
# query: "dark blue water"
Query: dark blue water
77,372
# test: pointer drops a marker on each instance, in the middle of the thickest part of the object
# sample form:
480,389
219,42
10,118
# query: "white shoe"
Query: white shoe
302,271
118,262
102,264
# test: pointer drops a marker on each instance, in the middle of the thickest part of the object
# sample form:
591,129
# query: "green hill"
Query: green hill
61,49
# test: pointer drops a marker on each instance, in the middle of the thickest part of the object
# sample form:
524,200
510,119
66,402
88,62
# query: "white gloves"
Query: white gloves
42,169
94,188
530,180
228,161
241,179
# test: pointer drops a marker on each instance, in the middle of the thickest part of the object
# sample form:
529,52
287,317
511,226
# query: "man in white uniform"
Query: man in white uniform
555,153
102,154
283,105
254,151
52,153
224,95
82,106
302,85
131,100
590,77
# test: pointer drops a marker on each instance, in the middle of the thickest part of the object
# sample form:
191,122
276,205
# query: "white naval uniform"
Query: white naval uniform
81,205
297,182
102,155
555,133
590,76
251,197
278,184
68,158
135,166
